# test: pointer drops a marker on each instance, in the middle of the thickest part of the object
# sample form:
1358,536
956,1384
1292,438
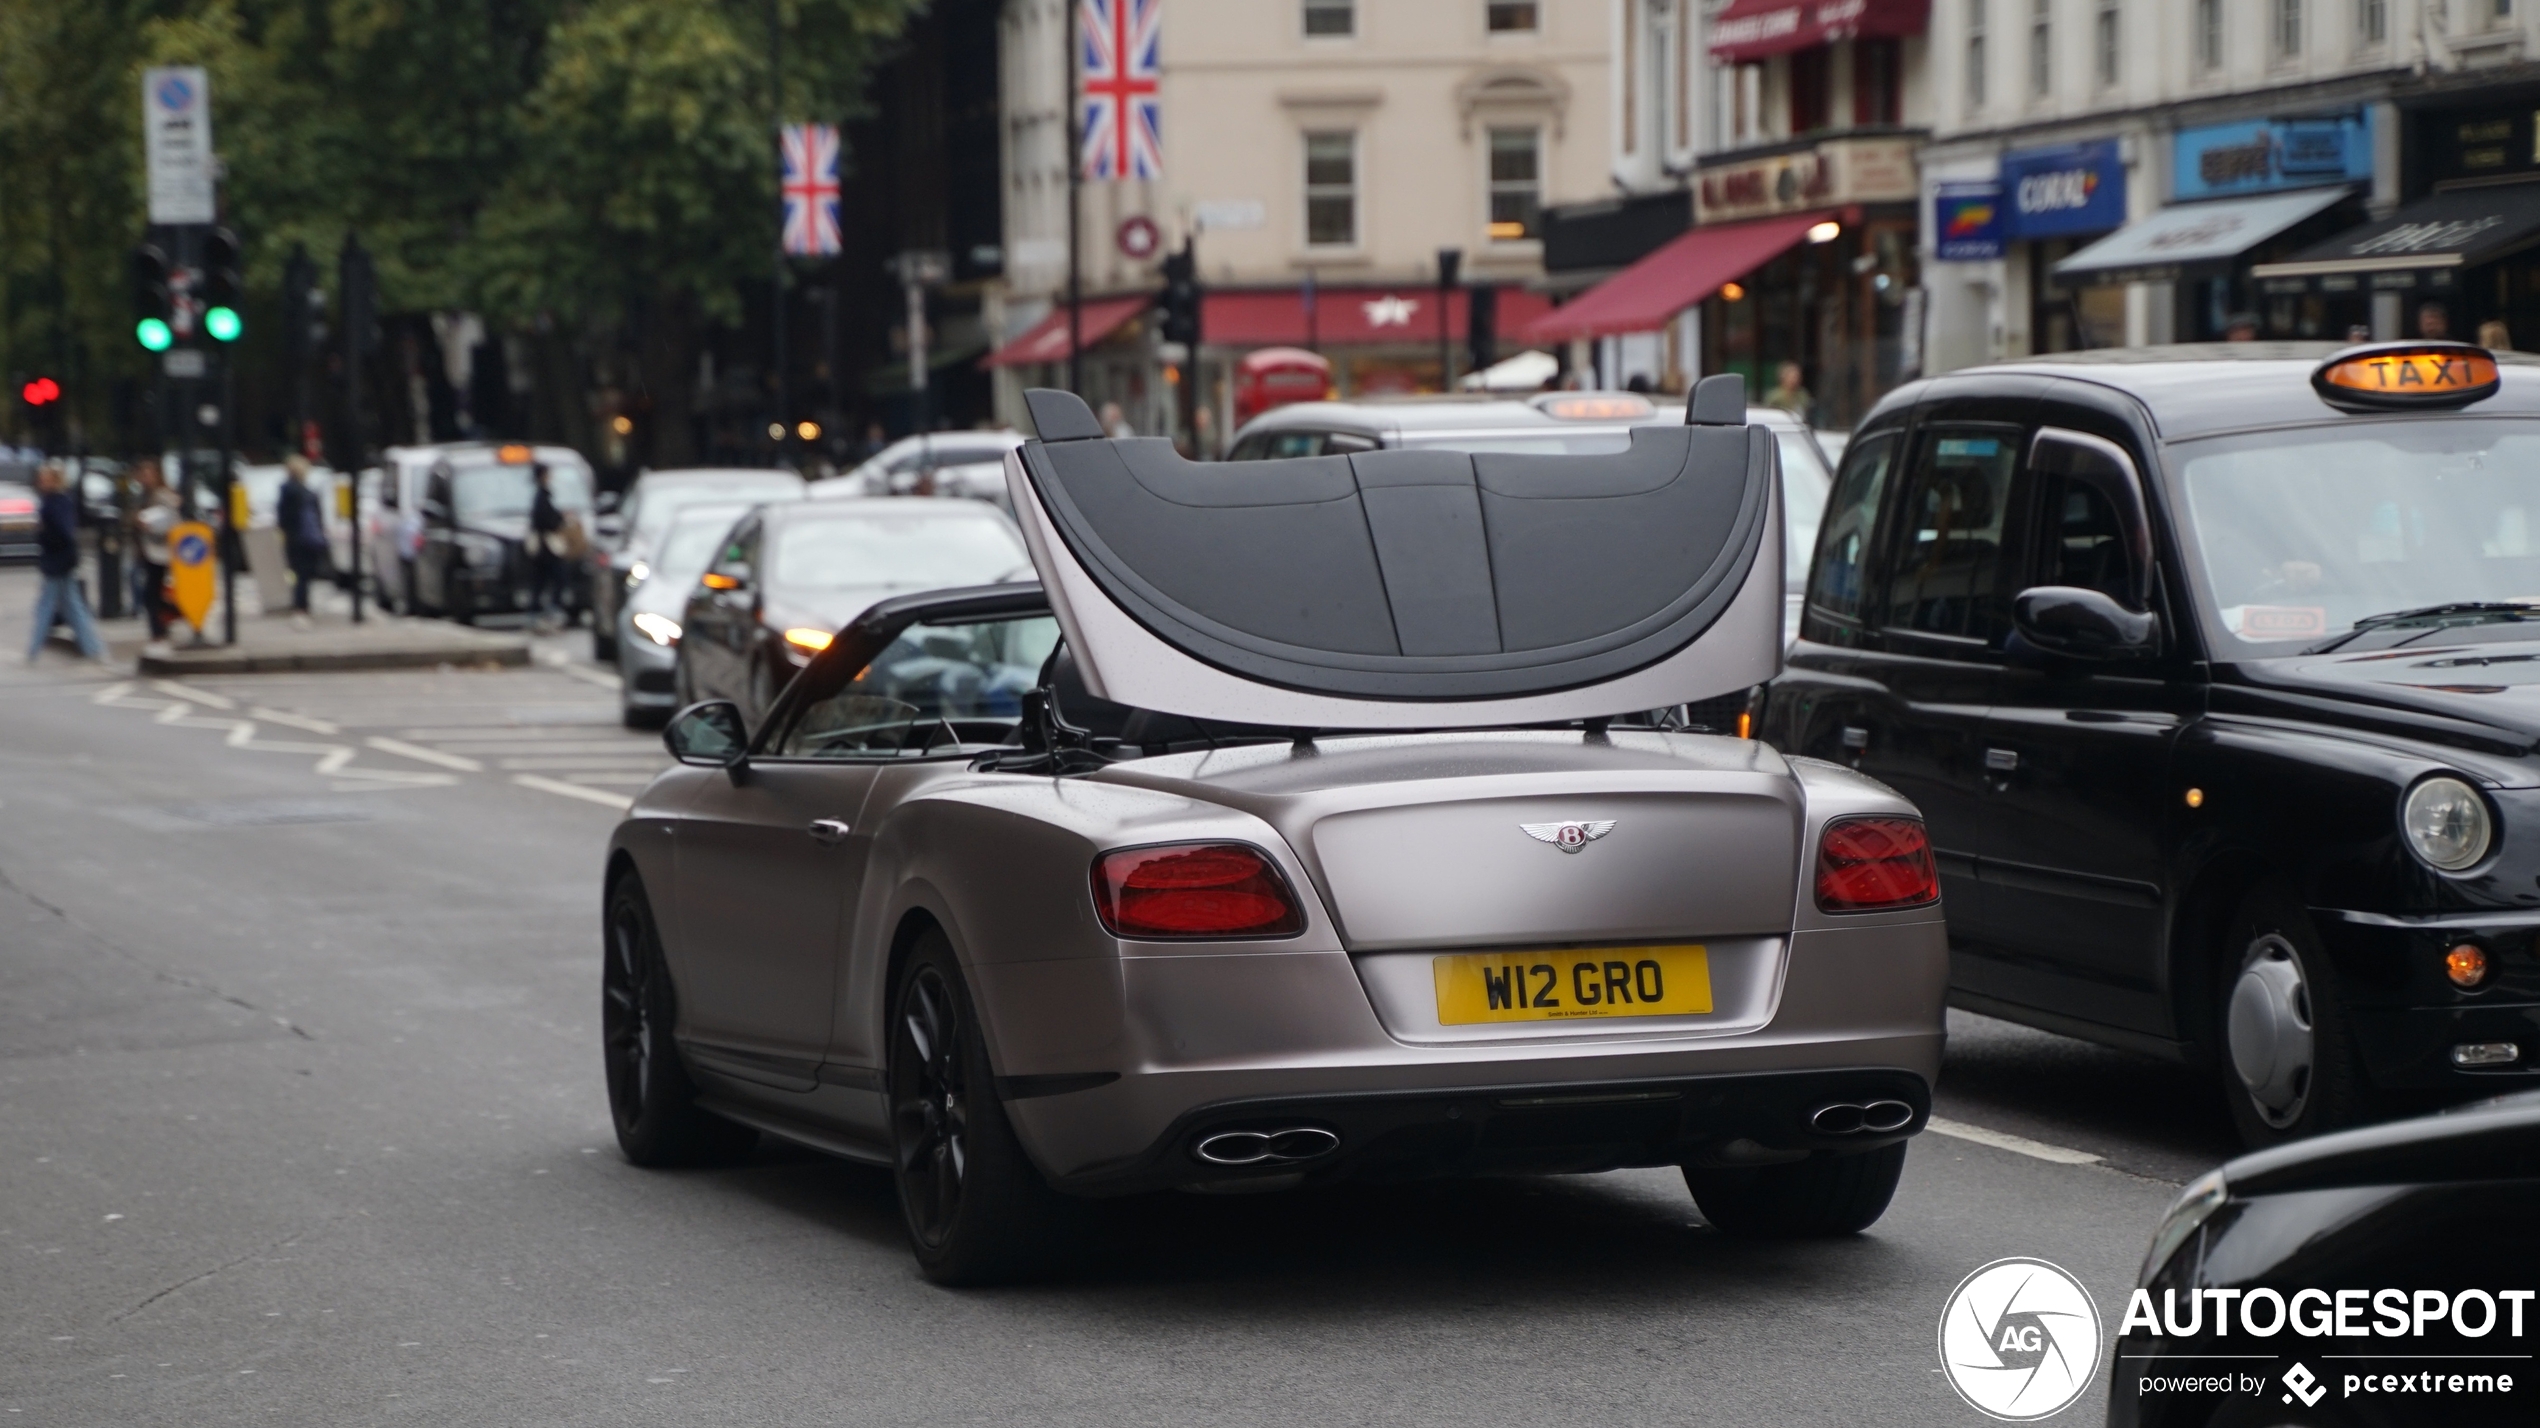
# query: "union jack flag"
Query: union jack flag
1124,118
810,185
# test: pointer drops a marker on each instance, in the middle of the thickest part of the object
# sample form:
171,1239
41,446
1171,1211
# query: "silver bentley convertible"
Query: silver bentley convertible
1308,820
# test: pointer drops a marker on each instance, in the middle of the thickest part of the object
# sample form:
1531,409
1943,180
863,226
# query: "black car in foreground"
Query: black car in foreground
2384,1275
2216,671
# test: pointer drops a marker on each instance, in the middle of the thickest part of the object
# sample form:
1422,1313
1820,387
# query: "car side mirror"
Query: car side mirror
709,734
2069,620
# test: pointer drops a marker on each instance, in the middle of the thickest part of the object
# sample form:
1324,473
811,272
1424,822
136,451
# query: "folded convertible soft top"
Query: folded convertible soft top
1458,588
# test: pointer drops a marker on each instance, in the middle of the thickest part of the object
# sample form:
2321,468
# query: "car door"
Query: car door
723,618
768,866
2076,752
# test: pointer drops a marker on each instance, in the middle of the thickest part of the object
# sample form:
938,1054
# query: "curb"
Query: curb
218,660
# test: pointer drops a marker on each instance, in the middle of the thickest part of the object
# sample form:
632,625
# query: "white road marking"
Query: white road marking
620,764
296,721
333,760
565,664
617,801
629,746
199,696
2016,1144
420,754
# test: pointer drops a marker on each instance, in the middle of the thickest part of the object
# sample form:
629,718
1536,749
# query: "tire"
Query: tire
977,1211
652,1103
2288,1066
636,716
603,643
1821,1197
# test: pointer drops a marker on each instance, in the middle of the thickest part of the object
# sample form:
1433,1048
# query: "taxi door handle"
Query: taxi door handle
828,832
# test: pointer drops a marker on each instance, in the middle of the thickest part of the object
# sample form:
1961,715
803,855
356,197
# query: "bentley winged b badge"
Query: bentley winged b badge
1569,837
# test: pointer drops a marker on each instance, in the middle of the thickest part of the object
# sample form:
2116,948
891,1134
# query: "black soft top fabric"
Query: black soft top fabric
1418,574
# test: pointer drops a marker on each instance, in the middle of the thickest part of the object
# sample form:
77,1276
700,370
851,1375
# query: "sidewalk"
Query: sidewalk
271,644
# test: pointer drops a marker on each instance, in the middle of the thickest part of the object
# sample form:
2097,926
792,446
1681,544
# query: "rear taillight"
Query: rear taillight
1871,864
1181,890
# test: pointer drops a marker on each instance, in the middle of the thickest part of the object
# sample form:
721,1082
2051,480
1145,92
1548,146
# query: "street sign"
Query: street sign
176,127
183,362
1139,238
1226,215
190,571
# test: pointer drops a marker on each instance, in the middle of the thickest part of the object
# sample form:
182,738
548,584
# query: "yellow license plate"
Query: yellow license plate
1583,982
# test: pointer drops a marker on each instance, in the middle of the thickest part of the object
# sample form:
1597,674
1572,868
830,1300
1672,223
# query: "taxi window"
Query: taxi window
1837,581
937,689
2088,538
1944,568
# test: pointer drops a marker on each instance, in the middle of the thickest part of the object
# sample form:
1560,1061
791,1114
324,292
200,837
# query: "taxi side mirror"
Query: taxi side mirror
2087,624
709,734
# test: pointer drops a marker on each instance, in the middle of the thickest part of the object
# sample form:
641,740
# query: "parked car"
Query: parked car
2202,662
656,600
1320,845
789,575
1573,423
18,517
934,463
624,542
2387,1269
469,510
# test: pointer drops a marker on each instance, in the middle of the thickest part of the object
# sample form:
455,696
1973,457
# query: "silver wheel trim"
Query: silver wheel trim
2268,1028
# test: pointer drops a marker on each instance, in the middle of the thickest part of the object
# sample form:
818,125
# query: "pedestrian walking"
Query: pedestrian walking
546,549
303,524
1788,393
57,561
154,514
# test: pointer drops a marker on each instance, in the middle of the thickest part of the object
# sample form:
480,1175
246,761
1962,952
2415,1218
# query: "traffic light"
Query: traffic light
219,286
42,392
1180,304
153,303
359,283
1481,327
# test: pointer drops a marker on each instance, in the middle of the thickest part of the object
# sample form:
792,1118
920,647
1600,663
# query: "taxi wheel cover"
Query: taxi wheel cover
652,1103
1821,1197
2287,1066
976,1209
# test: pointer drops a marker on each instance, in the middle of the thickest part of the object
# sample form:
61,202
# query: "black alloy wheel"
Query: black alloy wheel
977,1210
651,1101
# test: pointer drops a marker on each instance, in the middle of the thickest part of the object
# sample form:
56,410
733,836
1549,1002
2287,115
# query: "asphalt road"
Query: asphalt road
301,1121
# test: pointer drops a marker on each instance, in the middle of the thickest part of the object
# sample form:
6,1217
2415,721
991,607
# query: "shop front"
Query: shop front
2055,201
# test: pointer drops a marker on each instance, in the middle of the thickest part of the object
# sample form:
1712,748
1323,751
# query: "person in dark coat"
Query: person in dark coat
57,560
303,524
546,549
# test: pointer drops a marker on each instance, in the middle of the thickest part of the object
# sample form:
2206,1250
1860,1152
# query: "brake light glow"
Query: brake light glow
1193,890
1875,864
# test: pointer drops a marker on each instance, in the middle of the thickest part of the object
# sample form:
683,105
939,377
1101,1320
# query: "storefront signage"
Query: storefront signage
2262,155
1966,221
1836,172
2058,192
2478,143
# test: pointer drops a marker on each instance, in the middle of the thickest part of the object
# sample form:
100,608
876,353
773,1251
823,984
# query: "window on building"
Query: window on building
1810,103
2107,43
1507,15
2372,21
1516,184
1975,54
2209,34
2041,48
1331,17
2287,15
1878,82
1331,189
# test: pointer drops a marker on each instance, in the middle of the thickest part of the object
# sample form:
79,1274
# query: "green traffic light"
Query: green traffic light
154,334
223,324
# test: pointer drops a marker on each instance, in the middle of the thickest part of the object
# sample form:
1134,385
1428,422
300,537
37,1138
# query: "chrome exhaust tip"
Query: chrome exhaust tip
1278,1147
1884,1116
1841,1118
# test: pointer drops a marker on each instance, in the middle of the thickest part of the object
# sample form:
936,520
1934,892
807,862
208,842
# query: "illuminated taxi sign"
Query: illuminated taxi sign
514,455
1608,406
2402,376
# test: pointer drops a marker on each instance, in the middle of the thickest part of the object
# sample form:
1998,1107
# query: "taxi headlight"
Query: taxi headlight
2447,824
660,629
2194,1206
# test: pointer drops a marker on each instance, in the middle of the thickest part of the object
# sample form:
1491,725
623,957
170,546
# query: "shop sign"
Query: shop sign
1966,221
2058,192
1837,172
2263,155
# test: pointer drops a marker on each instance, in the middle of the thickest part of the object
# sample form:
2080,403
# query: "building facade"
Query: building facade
1319,155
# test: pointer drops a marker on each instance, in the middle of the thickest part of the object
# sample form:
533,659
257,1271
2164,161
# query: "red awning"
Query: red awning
1751,30
1047,341
1642,297
1348,317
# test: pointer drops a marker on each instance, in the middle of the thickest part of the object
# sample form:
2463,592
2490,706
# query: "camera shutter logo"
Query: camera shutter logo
2019,1339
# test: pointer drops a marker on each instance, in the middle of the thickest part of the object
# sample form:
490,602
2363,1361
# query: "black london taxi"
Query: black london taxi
2216,672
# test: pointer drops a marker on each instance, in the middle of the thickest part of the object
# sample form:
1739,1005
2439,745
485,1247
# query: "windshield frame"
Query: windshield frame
2185,544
